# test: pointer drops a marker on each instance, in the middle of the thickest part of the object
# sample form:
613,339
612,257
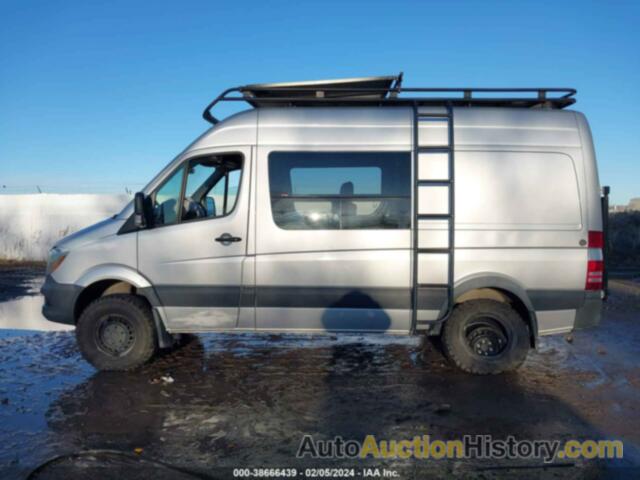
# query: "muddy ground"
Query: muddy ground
246,400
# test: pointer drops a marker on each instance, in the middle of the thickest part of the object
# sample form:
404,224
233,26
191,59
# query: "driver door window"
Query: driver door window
210,190
167,200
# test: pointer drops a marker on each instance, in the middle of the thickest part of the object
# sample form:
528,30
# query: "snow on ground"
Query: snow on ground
25,313
31,224
21,301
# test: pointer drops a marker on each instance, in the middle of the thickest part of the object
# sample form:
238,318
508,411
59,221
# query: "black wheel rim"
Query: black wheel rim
115,335
486,337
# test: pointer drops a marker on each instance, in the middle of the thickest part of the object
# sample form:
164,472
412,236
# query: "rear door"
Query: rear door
195,253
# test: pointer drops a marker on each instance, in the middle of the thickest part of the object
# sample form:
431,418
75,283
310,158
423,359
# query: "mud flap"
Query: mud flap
165,339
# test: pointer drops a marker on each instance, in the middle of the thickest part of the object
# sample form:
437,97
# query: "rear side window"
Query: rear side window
340,190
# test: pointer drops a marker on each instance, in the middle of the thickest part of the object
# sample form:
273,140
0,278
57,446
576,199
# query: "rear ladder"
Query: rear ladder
434,204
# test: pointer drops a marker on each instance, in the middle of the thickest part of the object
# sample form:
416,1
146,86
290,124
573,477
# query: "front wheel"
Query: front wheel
485,337
117,332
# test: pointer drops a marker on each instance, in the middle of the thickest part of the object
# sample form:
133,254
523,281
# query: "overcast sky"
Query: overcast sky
96,96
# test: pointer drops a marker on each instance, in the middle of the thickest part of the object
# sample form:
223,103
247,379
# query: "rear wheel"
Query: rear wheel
485,337
117,332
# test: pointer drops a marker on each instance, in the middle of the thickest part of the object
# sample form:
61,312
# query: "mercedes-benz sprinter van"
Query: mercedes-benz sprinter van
354,205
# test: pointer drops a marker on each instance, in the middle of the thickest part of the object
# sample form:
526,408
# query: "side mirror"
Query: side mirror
139,210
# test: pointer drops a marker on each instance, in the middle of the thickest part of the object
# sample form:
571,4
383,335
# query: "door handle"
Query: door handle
227,238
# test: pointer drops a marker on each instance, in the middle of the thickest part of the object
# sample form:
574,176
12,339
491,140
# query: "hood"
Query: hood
90,234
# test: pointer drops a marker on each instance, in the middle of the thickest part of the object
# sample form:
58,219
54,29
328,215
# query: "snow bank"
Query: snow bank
31,224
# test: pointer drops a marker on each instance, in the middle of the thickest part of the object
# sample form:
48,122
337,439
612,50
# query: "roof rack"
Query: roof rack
387,90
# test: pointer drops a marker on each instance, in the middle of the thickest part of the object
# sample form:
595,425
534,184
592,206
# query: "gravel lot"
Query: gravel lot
246,400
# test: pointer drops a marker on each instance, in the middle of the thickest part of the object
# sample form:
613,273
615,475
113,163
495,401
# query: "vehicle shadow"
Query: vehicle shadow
368,314
248,401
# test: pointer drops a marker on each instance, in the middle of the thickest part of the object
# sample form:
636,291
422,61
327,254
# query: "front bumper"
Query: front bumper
59,301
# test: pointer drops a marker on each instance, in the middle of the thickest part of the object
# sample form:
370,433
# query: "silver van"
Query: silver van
357,205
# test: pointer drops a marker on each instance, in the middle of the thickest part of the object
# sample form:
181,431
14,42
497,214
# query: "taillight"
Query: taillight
595,263
596,240
595,272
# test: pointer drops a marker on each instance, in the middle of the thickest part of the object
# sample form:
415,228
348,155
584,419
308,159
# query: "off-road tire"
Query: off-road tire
135,314
456,347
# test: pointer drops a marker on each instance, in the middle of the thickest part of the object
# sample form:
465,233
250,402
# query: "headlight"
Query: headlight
56,257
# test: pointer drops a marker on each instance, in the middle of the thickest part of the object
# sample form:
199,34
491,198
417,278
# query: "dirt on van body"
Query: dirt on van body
247,400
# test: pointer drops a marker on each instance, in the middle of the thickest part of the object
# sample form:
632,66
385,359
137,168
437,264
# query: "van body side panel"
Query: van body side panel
349,290
520,214
521,204
591,180
591,312
523,209
520,209
329,280
333,279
